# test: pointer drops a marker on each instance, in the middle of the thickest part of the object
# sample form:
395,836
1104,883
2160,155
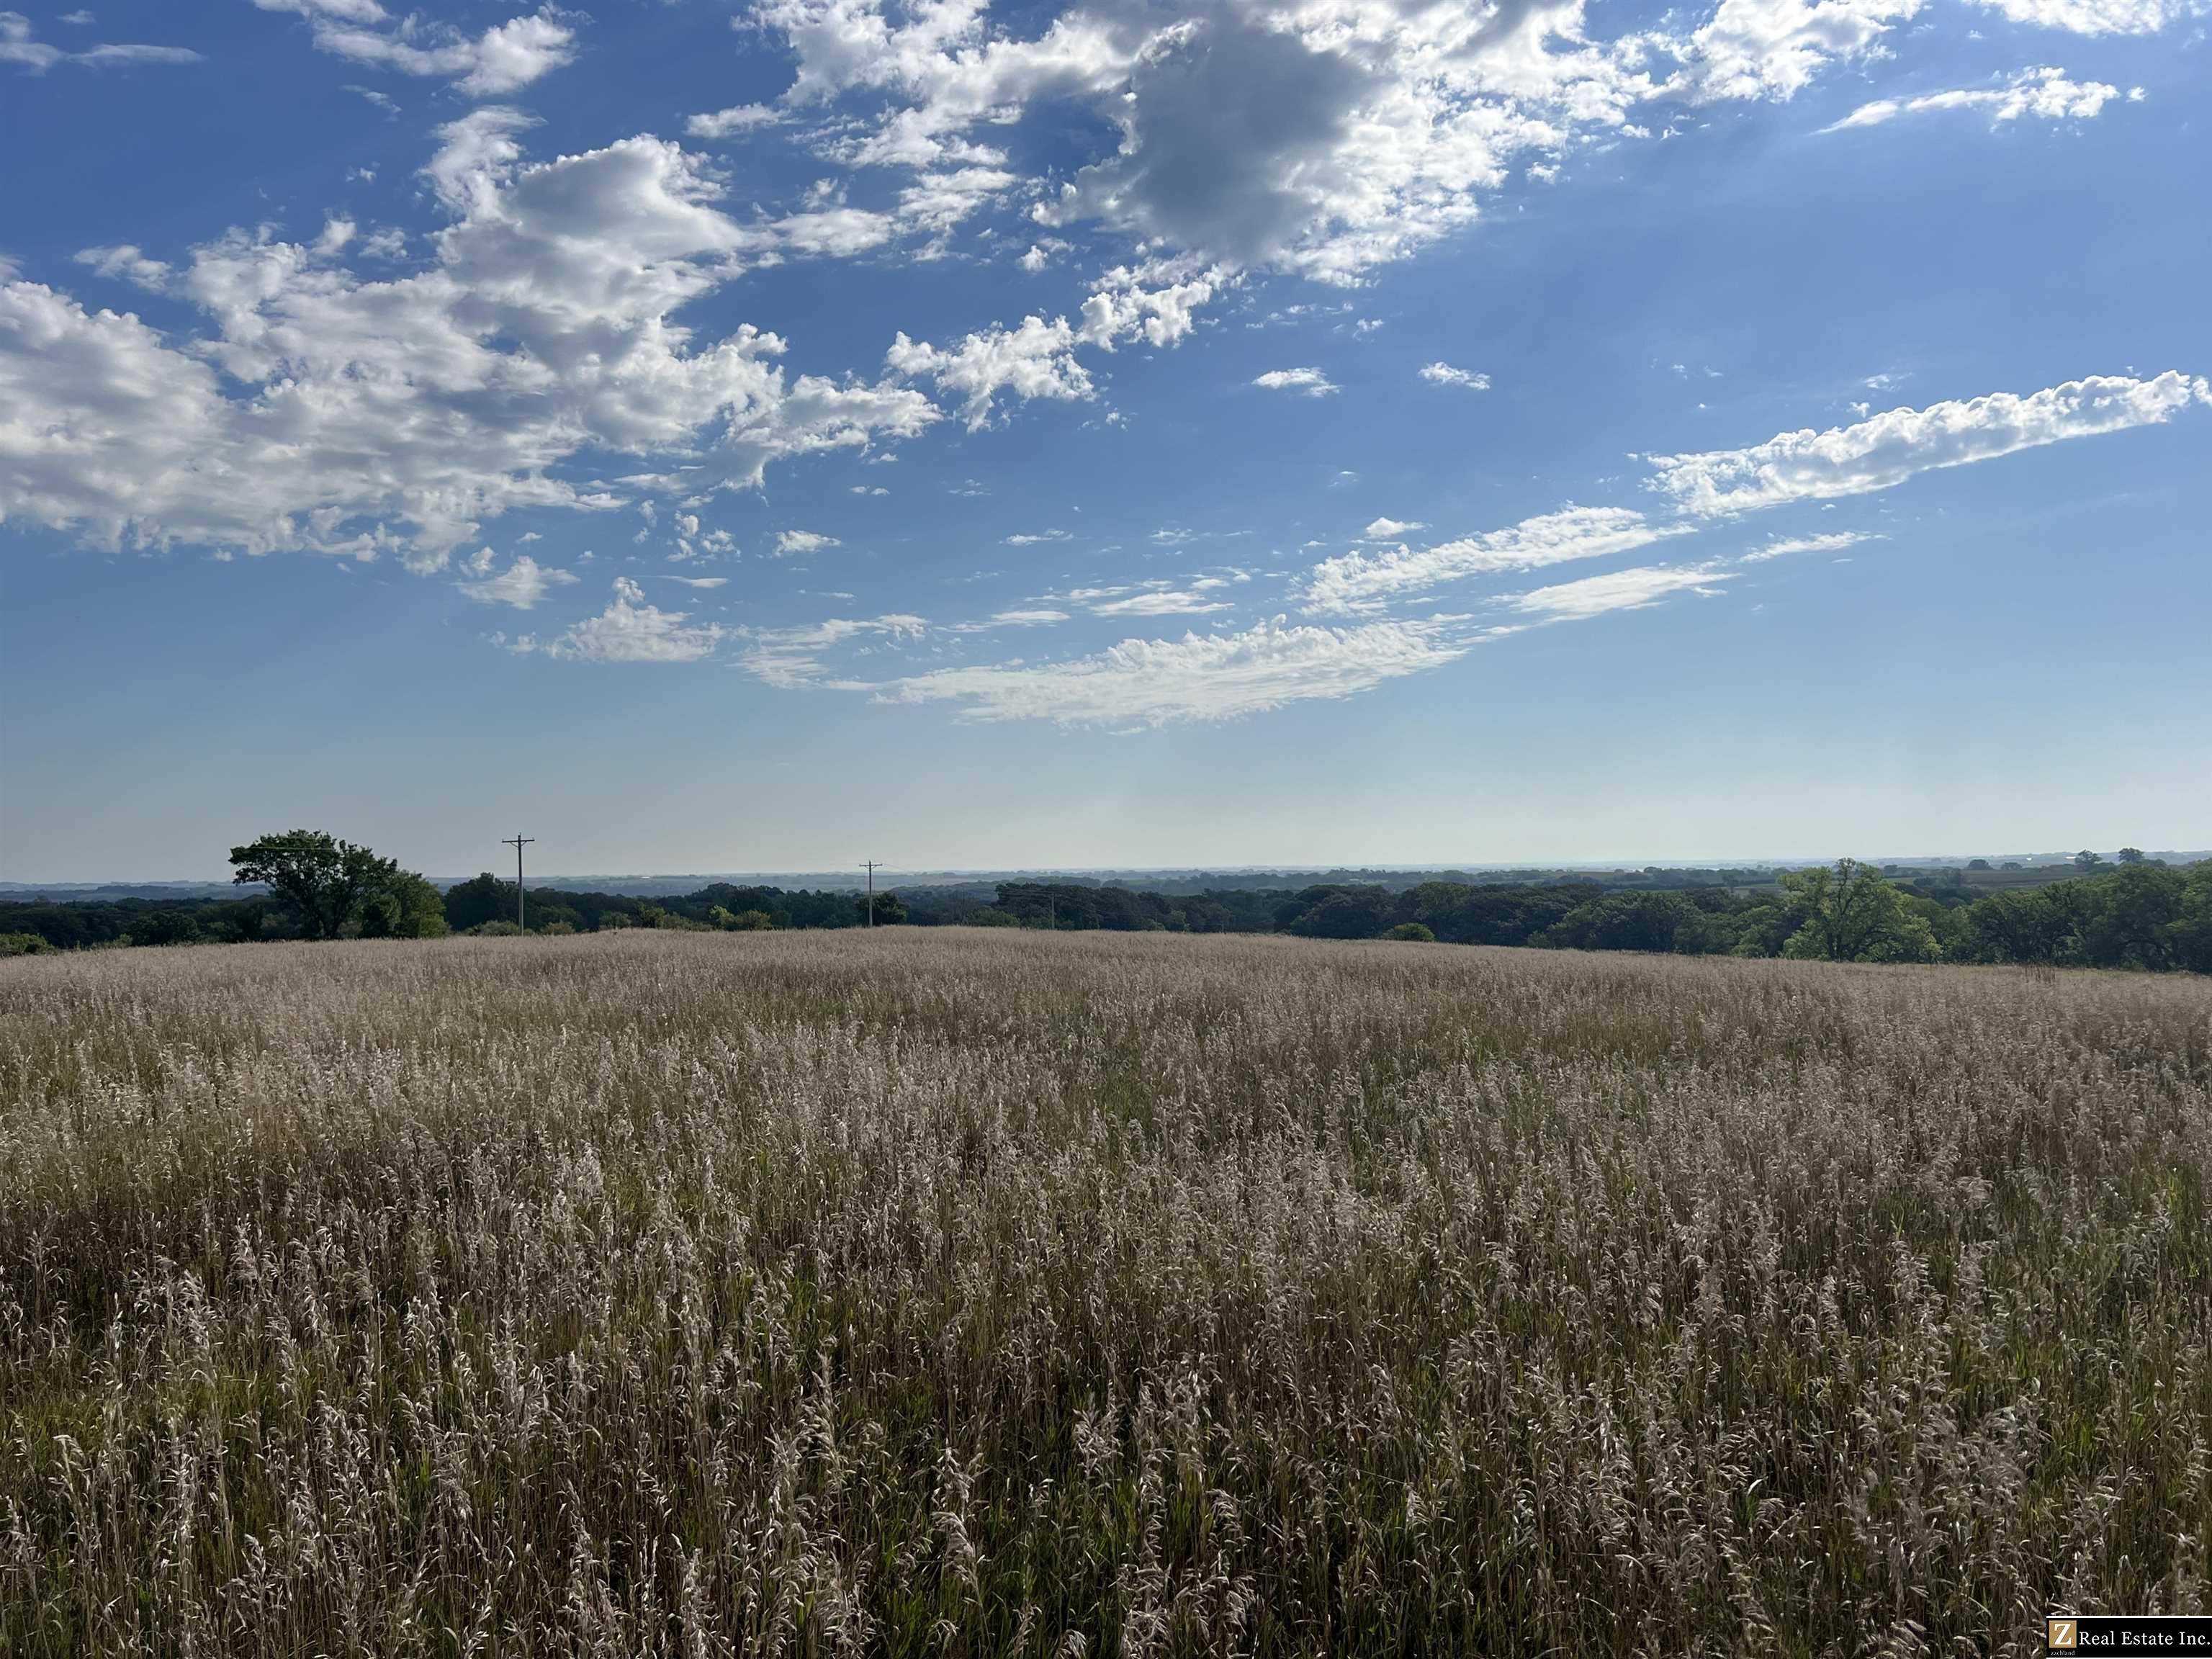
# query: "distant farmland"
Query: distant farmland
983,1292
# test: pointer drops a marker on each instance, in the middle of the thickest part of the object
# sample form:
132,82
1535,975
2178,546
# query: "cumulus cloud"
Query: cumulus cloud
1443,374
1036,360
1889,448
320,410
2044,94
522,584
1772,48
1309,382
630,630
789,542
2097,16
1351,583
1157,301
1200,676
1325,137
503,59
1391,529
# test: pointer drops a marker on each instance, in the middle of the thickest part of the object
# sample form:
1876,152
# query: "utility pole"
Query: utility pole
871,866
518,841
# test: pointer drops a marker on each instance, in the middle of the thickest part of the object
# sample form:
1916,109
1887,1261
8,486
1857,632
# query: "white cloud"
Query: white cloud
1351,583
1391,529
1617,590
2044,94
1036,360
2097,16
1157,301
1159,602
503,59
631,631
1032,538
791,658
739,118
1889,448
20,46
802,541
319,409
522,584
699,581
1834,542
1200,676
126,263
1031,616
1772,48
1326,136
1442,374
1310,382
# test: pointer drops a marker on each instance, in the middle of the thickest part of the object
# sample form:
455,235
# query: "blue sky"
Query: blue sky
763,437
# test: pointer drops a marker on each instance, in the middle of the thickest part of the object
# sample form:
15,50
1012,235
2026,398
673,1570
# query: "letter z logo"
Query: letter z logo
2060,1634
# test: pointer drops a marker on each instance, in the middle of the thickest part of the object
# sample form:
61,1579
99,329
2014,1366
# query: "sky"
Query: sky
715,437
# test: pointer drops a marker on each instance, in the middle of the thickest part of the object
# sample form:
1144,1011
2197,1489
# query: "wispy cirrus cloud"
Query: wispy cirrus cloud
1200,676
21,47
1351,583
2045,95
1619,590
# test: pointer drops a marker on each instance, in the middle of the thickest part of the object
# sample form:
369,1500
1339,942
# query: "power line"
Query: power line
518,841
871,866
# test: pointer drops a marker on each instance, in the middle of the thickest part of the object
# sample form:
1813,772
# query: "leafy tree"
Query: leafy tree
2132,917
326,881
1622,921
1852,914
890,909
409,907
1359,912
23,944
2131,855
165,926
2086,861
2191,930
741,921
1413,932
482,899
2034,926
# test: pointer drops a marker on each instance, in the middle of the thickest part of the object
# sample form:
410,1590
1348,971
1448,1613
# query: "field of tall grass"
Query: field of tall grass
986,1292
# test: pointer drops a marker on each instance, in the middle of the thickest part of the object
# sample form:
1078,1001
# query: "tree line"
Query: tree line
2140,913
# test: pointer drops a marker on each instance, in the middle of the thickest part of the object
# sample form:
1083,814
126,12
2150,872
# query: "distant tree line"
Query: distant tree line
2134,913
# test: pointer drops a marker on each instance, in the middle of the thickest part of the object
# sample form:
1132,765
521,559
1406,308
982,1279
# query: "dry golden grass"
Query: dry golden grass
978,1292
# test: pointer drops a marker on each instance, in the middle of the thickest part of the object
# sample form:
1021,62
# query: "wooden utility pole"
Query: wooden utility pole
871,866
517,842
